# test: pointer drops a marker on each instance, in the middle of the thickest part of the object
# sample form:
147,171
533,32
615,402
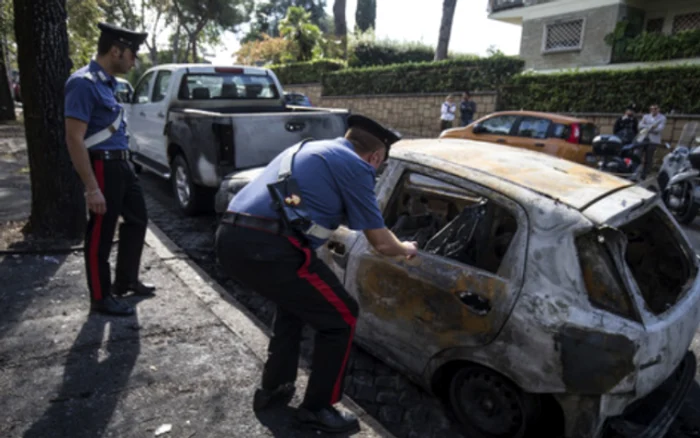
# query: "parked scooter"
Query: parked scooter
679,176
632,161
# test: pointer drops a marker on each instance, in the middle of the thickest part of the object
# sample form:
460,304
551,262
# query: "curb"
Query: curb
231,313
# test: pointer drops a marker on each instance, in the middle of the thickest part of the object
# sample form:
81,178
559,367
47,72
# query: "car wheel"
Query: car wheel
488,405
190,197
679,199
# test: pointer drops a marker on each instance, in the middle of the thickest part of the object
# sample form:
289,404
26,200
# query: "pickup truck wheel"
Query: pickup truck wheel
489,405
190,197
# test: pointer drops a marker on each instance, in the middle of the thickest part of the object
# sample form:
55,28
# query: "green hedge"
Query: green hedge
427,77
306,72
649,47
371,53
674,88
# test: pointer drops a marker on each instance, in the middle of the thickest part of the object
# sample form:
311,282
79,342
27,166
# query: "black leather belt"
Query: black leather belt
272,226
121,154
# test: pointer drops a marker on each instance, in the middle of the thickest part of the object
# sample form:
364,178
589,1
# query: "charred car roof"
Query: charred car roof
572,184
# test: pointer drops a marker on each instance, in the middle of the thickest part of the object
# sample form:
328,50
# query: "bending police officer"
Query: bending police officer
98,147
264,249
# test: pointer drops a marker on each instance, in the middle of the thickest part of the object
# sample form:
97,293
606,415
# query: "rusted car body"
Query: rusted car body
540,283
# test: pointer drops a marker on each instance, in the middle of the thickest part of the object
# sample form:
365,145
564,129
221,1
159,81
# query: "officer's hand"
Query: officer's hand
410,249
96,202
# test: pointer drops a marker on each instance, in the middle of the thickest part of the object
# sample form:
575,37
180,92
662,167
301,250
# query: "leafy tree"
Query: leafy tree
58,207
195,15
268,15
366,14
83,16
341,26
266,51
448,13
297,27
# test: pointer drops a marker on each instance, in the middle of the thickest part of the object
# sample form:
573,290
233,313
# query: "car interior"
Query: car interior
451,222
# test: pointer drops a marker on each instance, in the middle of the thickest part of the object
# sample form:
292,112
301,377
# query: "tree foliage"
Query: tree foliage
269,50
83,16
366,14
268,15
297,27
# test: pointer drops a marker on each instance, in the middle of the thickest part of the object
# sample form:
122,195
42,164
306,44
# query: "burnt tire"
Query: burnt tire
489,405
191,198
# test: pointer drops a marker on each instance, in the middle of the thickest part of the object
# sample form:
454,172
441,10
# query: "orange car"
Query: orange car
561,136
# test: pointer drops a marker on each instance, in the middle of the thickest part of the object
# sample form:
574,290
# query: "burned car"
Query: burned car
543,289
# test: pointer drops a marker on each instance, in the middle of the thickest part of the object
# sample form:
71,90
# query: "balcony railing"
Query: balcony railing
502,5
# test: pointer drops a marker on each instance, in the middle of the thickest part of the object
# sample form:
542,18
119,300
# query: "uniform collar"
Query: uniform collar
101,74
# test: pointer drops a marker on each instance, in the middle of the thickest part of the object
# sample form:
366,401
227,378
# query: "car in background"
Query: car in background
560,136
298,99
124,91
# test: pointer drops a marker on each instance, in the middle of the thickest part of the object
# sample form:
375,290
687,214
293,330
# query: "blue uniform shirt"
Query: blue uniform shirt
335,184
92,101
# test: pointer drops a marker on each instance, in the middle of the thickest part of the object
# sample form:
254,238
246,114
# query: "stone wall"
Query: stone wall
413,115
671,134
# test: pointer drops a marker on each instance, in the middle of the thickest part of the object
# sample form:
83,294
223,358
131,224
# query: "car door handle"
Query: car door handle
294,126
161,115
502,140
539,144
339,253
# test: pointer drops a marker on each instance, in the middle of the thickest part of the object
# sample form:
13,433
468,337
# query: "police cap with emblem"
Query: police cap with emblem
386,136
127,38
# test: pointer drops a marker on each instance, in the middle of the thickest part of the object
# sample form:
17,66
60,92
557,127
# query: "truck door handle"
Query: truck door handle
475,303
539,144
161,115
294,126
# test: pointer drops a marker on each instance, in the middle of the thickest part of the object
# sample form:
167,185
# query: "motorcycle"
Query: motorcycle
632,161
679,177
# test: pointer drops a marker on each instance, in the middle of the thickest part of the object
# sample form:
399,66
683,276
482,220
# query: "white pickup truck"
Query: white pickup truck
197,123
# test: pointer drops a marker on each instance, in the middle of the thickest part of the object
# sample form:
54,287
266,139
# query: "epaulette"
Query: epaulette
89,76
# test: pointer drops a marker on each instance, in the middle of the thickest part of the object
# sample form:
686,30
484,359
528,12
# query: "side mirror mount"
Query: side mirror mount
478,129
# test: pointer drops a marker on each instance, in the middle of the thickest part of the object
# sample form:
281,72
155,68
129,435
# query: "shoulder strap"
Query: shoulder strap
288,160
89,76
106,133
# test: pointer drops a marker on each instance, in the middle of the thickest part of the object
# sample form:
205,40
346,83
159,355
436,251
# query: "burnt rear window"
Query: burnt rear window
659,259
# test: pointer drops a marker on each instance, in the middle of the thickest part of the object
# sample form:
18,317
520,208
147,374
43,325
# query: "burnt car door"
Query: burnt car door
459,290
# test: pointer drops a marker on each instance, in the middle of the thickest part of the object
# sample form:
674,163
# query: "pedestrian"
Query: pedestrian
626,126
654,120
467,109
98,147
447,113
271,250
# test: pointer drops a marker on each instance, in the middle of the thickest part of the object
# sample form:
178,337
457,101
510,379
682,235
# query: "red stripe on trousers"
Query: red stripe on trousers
95,240
340,306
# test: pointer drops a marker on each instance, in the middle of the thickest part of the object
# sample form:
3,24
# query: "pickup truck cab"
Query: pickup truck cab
195,123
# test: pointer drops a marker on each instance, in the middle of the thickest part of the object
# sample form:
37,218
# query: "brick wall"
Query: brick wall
598,23
413,115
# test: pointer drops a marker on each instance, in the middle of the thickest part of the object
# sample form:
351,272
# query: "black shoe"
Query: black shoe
265,398
328,420
138,288
110,306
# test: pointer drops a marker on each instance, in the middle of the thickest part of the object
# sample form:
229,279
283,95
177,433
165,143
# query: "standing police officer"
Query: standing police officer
98,146
267,240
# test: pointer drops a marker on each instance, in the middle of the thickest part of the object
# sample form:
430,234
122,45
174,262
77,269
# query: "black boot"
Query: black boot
138,288
328,420
110,306
266,398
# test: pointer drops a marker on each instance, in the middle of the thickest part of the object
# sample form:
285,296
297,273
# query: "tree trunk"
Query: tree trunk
58,206
7,103
448,13
341,26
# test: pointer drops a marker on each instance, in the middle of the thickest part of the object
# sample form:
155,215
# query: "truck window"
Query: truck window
210,86
162,84
141,93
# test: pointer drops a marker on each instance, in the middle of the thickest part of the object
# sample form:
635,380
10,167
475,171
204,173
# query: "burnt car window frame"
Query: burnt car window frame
518,246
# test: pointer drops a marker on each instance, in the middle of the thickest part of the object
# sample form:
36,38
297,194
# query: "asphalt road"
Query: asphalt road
195,236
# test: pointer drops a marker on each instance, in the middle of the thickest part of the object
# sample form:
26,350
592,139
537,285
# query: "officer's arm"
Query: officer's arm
75,135
384,241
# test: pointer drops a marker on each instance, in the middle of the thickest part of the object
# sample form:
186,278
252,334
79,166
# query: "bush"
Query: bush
427,77
674,88
373,53
650,47
306,72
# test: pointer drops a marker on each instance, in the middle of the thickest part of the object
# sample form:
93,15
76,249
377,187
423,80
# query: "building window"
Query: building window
686,22
563,36
655,25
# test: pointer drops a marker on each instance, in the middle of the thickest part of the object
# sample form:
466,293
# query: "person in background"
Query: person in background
467,109
656,121
626,126
447,113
